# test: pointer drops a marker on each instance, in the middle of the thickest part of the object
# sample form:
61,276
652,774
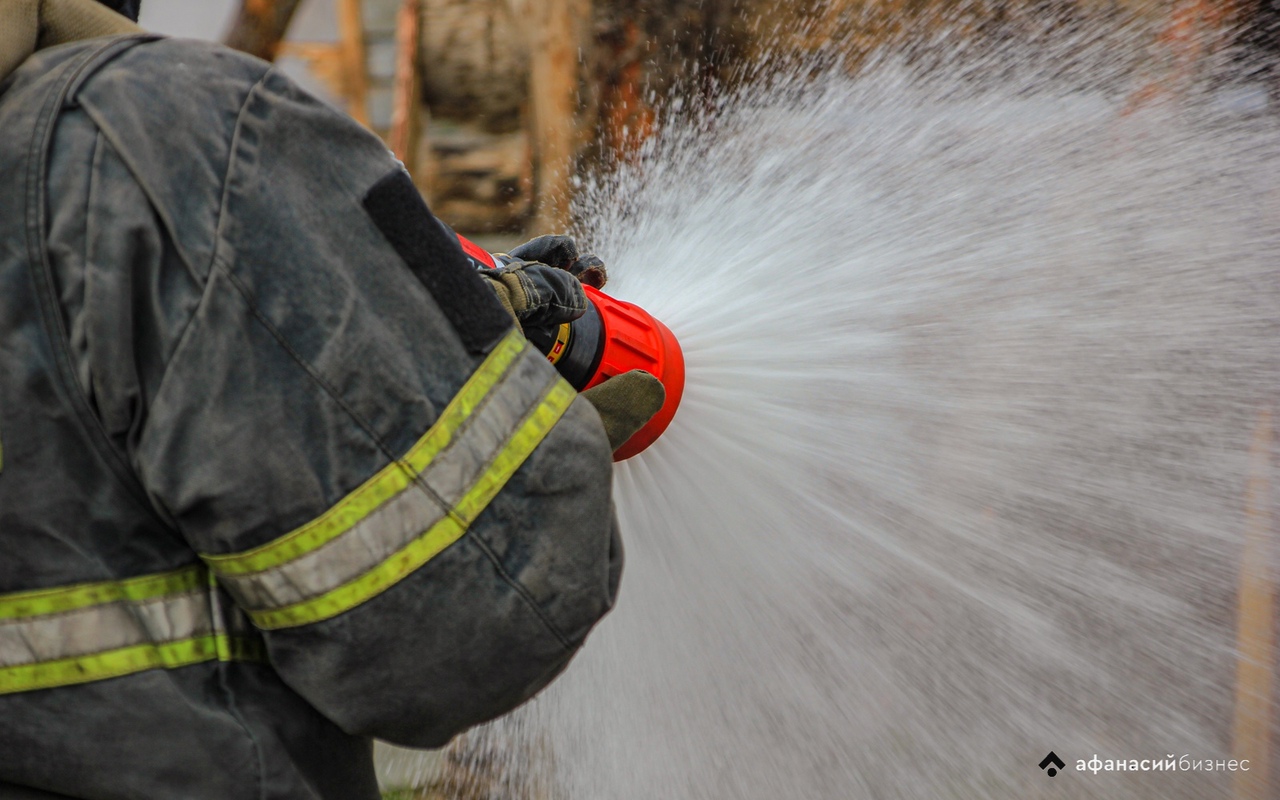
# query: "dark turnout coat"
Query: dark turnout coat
278,474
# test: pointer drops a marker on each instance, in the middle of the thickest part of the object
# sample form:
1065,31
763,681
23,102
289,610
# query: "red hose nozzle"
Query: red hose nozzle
634,339
613,337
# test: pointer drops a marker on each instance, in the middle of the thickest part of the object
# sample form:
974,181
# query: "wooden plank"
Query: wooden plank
1255,627
351,41
260,26
553,102
324,60
403,138
627,120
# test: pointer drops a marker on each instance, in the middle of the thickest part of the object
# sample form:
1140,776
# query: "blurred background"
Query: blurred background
496,105
491,103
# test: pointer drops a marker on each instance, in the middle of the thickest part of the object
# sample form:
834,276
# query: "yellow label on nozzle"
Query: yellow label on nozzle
561,344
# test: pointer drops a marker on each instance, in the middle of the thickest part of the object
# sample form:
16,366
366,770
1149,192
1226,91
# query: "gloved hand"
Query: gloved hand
561,251
535,282
536,295
625,403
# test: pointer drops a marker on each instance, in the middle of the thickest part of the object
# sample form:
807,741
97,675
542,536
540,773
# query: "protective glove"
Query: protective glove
536,295
530,283
561,251
625,403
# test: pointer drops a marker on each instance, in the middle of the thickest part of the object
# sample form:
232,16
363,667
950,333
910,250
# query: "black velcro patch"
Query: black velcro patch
433,254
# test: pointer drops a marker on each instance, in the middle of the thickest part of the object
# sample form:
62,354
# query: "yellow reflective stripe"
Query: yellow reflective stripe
111,664
530,434
70,598
125,661
533,429
391,480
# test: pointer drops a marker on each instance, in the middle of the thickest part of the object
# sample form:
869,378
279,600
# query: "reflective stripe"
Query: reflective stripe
69,598
106,627
440,535
77,634
382,486
489,429
126,661
406,515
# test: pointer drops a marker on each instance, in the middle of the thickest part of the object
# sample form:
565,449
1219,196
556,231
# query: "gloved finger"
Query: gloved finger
561,251
555,250
589,270
537,295
625,403
552,296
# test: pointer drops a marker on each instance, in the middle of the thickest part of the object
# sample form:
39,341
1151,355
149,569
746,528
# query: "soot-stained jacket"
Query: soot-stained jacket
278,474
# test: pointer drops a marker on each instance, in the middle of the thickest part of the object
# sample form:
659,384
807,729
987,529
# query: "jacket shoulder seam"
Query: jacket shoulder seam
126,156
202,281
233,151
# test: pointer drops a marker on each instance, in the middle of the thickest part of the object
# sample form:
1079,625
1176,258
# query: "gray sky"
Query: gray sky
194,19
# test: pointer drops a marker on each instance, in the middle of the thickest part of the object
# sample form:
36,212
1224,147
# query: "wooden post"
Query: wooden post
1255,626
1194,29
553,102
627,120
351,44
260,26
407,91
340,65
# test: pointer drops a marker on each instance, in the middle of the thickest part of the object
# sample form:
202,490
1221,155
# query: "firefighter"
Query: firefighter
279,475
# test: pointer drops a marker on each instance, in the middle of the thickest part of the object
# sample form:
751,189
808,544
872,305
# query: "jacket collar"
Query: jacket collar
31,25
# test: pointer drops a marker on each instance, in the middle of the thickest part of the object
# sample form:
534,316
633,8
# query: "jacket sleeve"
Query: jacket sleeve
402,495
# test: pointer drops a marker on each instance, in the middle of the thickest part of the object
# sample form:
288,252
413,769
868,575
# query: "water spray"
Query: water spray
611,338
978,463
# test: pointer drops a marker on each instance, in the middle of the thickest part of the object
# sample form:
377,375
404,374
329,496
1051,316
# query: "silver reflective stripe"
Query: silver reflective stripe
97,629
404,517
67,635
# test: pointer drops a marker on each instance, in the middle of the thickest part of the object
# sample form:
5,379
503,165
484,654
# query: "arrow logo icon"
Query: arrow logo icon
1052,758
